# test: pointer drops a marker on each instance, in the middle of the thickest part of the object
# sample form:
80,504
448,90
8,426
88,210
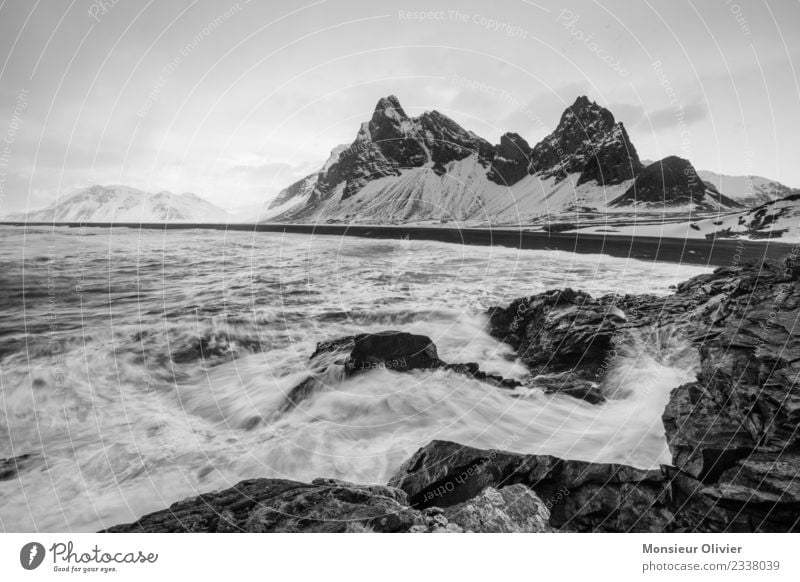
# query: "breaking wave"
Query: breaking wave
139,368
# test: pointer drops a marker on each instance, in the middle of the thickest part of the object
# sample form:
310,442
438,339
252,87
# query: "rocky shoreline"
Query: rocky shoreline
732,433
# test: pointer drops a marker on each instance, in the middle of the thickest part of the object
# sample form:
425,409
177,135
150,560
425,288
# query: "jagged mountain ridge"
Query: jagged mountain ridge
405,169
125,204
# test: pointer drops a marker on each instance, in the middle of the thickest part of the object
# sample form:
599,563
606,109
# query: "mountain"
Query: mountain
589,142
428,168
748,190
125,204
673,181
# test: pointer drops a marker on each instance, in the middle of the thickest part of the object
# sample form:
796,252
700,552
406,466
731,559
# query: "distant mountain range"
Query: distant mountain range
429,169
402,169
125,204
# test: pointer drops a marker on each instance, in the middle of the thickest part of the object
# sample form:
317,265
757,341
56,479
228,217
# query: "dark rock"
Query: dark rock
557,331
512,160
581,496
587,141
277,505
473,371
732,433
11,468
735,428
673,181
392,350
566,385
513,509
332,506
449,142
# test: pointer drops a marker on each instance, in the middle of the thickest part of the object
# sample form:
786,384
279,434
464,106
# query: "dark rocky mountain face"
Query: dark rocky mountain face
673,181
512,160
391,141
587,141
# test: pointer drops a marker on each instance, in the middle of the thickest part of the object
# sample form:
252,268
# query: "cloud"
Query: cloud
671,117
627,113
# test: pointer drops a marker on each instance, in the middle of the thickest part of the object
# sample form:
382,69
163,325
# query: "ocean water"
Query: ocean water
142,367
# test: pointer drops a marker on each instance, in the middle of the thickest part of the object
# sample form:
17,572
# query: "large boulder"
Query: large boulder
332,506
735,429
278,505
566,338
581,496
558,331
391,350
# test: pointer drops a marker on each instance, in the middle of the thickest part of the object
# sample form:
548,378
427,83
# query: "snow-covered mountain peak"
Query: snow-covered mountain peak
401,168
117,203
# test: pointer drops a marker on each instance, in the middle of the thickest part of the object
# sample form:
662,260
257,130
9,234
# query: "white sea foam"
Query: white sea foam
165,375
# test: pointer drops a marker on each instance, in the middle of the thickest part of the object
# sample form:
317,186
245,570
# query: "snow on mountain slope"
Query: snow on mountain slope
402,169
125,204
748,190
778,220
428,168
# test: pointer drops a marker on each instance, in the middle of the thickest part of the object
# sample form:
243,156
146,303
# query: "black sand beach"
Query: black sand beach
676,250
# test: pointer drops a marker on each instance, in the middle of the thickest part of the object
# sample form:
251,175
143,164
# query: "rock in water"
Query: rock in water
581,496
392,350
732,433
735,429
332,506
564,337
277,505
556,331
11,468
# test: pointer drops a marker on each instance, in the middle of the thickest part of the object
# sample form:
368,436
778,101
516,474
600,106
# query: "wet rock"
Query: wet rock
735,428
473,371
732,433
357,354
398,351
393,350
565,385
558,331
581,496
513,509
277,505
11,468
333,506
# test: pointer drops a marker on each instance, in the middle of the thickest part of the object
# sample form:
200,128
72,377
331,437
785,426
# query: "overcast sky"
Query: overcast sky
235,100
